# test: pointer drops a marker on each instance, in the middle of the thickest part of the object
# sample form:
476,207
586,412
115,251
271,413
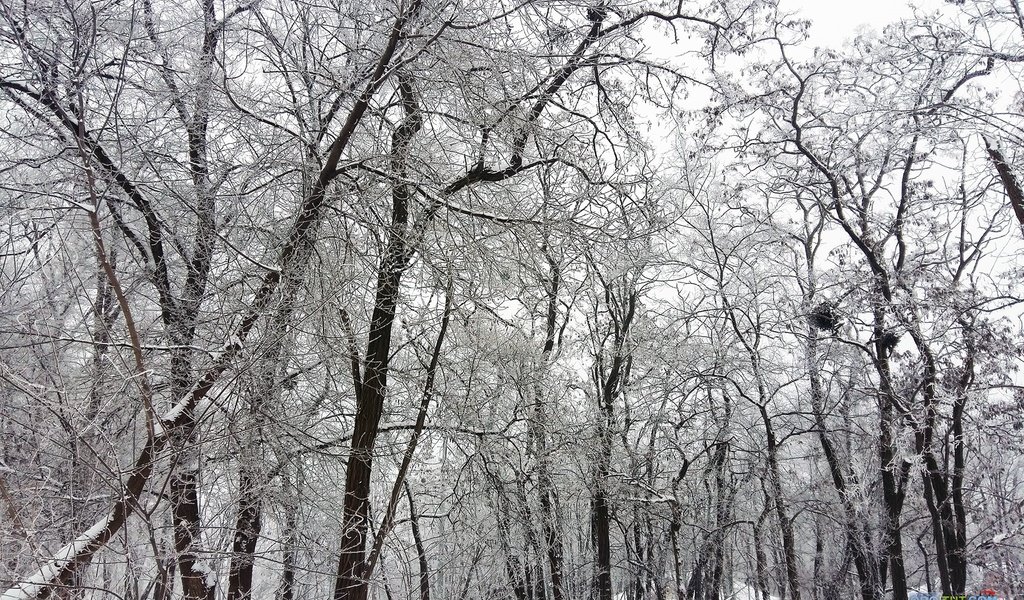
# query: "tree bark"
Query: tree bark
865,563
894,470
609,380
545,489
421,552
785,523
351,582
248,524
1011,185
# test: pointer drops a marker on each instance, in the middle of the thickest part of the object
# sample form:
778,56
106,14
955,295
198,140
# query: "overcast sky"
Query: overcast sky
838,21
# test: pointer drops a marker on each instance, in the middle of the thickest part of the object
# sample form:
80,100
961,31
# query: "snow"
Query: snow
35,583
168,418
209,577
745,592
740,592
31,587
234,343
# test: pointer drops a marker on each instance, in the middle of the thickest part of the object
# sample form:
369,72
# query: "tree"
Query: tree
222,274
853,147
453,255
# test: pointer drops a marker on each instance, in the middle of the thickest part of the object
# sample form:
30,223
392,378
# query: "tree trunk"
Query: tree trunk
865,563
609,379
291,544
513,568
196,579
421,553
351,582
1011,185
894,471
248,523
263,396
944,506
761,560
785,524
545,489
601,525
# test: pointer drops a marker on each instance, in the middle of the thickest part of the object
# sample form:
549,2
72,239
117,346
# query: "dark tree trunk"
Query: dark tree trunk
712,572
196,581
760,558
894,471
945,506
164,584
620,300
421,553
545,489
513,568
351,582
248,523
602,544
1011,185
263,397
784,521
865,563
637,561
291,542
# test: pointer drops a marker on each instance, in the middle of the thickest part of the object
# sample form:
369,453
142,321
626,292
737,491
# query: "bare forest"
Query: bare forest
509,299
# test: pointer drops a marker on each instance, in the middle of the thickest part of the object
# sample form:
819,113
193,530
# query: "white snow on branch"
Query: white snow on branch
233,344
203,567
167,419
31,587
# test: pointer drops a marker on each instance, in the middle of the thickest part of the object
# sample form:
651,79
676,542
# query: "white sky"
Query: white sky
836,21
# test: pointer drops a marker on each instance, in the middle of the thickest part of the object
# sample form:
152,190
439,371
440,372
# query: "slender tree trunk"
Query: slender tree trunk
421,553
263,396
291,543
894,470
637,562
711,584
601,525
858,538
252,480
248,524
609,379
760,558
944,506
677,560
351,583
865,563
197,583
600,509
545,489
164,583
513,568
785,523
196,579
1011,185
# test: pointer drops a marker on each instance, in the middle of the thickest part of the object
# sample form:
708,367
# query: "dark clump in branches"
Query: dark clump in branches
825,316
889,339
